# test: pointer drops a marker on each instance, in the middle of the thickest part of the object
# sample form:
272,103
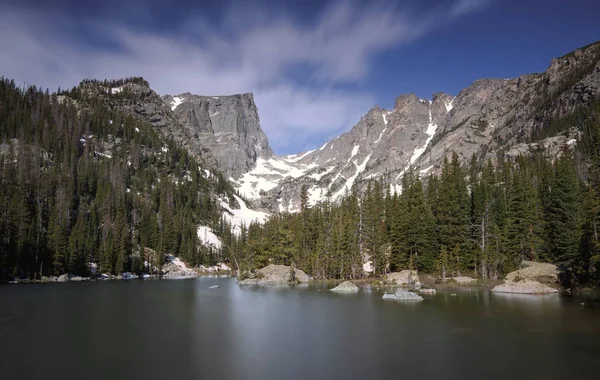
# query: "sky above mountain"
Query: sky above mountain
315,67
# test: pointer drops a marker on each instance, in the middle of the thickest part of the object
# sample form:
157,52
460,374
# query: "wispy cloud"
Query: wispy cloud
300,72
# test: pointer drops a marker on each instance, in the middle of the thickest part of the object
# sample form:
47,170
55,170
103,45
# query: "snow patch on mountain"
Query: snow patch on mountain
242,216
207,237
381,135
350,181
354,152
267,174
318,175
449,105
295,157
176,102
431,129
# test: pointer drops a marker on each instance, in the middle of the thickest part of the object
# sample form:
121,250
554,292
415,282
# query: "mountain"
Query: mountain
490,118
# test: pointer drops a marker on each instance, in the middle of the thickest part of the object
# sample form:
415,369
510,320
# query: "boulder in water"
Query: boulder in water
276,275
427,291
214,287
402,296
345,287
524,287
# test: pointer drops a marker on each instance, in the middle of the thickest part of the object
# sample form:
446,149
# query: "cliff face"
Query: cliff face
225,127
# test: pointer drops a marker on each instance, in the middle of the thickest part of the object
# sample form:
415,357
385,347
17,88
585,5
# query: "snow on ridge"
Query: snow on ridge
449,106
318,176
242,216
323,147
268,173
384,118
350,181
176,102
430,131
354,152
207,237
295,157
424,171
381,135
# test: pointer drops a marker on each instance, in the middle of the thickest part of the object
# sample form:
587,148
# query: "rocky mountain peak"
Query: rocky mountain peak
226,127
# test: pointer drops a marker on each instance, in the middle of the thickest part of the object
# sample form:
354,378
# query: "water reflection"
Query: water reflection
183,329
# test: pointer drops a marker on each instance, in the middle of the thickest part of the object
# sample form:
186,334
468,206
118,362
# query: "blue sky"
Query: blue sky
315,67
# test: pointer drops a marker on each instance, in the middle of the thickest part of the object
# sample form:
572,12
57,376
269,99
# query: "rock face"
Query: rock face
403,278
226,127
535,271
402,296
63,278
276,275
528,280
345,287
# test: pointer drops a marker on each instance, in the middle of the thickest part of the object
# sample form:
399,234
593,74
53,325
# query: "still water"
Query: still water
180,329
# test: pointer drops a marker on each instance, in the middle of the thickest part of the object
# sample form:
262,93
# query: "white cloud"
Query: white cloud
337,48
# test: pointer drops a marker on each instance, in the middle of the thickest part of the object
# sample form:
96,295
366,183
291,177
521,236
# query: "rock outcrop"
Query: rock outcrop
227,128
174,267
533,278
345,287
276,275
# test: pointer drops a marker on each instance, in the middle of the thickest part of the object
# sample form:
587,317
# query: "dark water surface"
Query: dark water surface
180,329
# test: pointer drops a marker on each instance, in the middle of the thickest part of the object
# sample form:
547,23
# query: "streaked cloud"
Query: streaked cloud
306,75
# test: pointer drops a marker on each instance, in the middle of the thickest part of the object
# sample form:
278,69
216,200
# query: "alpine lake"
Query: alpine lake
182,329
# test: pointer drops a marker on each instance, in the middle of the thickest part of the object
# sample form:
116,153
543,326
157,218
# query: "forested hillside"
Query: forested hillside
483,219
84,186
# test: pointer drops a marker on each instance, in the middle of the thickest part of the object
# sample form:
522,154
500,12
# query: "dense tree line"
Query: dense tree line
82,184
481,219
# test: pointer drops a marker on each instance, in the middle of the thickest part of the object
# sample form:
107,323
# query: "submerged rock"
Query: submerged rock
276,275
346,286
402,296
524,287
